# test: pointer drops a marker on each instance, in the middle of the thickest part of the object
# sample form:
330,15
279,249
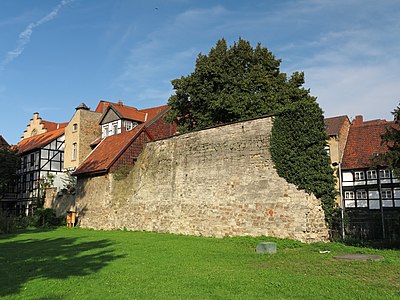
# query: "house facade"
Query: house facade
81,131
121,144
337,129
371,192
41,166
38,126
119,118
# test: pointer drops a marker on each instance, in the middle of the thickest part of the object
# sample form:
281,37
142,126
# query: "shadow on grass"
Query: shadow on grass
18,231
59,258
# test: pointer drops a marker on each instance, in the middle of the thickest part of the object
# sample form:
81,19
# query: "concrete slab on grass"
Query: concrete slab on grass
359,257
266,247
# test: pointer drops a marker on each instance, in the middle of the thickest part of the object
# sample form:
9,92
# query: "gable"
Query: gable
39,141
110,116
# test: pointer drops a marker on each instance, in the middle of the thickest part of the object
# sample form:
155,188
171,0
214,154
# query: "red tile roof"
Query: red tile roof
111,148
130,113
3,142
364,142
95,142
334,124
107,152
153,112
123,111
39,141
102,106
50,126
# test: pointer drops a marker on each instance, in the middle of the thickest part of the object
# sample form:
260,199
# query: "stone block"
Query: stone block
266,247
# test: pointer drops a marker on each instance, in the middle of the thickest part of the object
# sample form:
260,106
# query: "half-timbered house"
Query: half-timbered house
371,192
41,165
119,118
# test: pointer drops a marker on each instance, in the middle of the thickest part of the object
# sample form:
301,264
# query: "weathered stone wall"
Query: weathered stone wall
214,182
61,202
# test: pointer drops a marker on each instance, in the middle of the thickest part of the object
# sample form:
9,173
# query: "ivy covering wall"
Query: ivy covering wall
298,150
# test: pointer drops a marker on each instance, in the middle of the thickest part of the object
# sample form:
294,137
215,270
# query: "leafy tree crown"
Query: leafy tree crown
242,82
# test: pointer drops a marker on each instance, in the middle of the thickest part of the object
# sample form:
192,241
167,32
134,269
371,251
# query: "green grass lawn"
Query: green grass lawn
87,264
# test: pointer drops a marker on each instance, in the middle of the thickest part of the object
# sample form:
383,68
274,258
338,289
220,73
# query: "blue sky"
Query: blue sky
56,54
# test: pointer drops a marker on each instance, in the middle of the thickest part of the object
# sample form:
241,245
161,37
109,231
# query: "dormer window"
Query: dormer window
115,127
128,125
106,132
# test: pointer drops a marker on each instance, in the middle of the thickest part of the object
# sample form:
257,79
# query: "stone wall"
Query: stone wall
61,202
215,182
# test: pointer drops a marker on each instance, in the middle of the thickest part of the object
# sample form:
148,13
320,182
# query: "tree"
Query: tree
229,85
242,82
8,168
392,139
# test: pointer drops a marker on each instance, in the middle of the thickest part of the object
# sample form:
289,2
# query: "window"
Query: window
386,194
359,175
75,127
115,128
361,194
371,174
74,148
32,160
328,150
25,162
384,174
349,195
106,132
128,125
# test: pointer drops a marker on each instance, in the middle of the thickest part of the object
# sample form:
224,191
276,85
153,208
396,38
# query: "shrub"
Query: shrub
46,217
7,223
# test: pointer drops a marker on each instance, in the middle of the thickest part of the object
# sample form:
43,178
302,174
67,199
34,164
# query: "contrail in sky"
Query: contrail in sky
25,36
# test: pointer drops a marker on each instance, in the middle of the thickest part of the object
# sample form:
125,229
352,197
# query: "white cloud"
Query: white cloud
353,68
349,58
371,91
25,36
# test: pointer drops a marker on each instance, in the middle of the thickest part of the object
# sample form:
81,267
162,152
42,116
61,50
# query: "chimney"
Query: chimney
82,106
358,121
120,102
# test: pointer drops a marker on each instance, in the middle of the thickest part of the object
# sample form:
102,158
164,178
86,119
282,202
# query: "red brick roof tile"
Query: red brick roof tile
123,111
334,124
39,141
130,113
50,126
102,106
111,148
107,152
364,142
152,112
